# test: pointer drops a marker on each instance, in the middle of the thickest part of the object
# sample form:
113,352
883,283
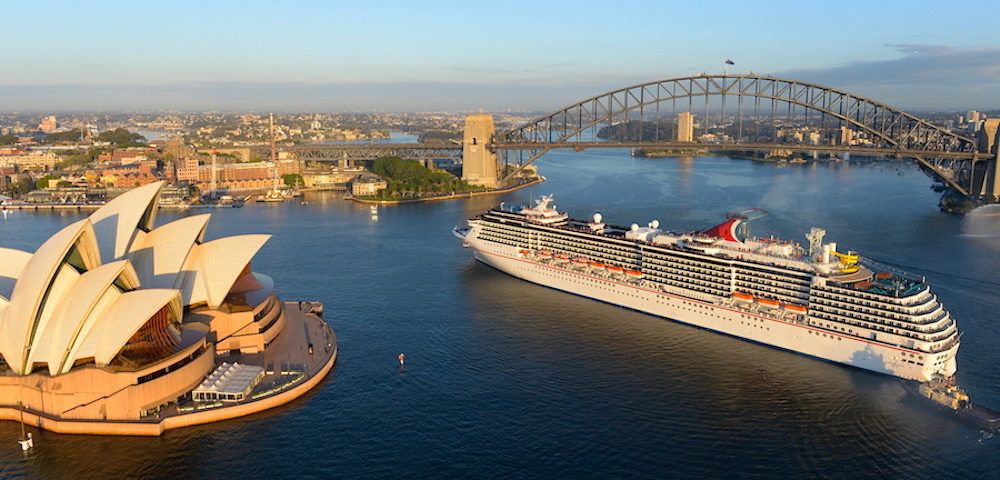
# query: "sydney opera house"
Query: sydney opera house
117,326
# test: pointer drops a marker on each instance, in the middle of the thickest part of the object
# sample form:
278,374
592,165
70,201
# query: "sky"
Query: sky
330,56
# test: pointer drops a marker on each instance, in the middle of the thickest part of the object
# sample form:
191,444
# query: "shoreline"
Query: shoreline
455,196
156,426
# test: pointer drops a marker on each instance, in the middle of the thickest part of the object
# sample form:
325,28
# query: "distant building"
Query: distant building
36,161
186,169
176,148
814,138
48,124
846,135
685,127
126,156
367,185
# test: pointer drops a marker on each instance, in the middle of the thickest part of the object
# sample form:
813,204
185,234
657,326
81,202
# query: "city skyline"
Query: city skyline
321,57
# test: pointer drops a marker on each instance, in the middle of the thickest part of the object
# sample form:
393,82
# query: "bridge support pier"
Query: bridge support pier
993,178
479,164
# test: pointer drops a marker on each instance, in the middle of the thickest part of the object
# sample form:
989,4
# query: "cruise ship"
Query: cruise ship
814,300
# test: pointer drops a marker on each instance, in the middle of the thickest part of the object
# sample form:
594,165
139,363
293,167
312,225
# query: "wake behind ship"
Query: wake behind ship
816,301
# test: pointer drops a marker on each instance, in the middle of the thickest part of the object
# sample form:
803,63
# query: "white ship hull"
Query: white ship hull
793,336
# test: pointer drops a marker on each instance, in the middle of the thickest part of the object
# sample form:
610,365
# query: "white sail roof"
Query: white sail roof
213,267
35,286
69,325
117,221
159,256
10,268
125,318
90,287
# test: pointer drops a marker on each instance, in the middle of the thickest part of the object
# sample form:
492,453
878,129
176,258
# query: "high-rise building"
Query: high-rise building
846,135
685,127
973,117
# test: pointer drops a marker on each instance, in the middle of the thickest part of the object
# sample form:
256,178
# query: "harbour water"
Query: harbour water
508,379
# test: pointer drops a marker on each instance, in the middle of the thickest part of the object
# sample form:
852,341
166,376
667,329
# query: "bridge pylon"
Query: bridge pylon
989,142
479,163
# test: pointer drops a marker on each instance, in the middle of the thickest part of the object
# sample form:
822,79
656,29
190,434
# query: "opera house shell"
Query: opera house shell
114,319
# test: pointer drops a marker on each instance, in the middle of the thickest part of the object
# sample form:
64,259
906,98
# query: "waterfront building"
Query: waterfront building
685,127
367,185
113,321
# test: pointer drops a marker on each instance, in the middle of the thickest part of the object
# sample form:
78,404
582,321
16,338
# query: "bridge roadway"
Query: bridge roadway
673,145
368,151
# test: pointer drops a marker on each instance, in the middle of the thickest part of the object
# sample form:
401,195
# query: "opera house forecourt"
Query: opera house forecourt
116,326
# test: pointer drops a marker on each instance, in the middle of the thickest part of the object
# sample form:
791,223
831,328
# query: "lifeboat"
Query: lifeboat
545,254
615,269
767,302
795,308
562,256
744,297
580,261
597,265
633,273
883,276
525,252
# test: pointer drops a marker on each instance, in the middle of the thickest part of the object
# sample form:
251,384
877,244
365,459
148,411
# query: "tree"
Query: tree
8,139
43,182
292,179
122,138
67,136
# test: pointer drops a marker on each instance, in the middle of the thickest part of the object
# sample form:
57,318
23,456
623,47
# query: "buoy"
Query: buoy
402,359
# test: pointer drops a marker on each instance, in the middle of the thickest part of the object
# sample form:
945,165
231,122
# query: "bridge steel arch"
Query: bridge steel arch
893,131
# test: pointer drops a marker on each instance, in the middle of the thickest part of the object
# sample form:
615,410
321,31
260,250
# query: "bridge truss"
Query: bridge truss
751,110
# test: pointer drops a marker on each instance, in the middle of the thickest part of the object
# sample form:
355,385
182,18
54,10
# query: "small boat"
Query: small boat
743,297
525,252
767,302
580,261
597,265
562,256
795,308
633,273
544,254
615,269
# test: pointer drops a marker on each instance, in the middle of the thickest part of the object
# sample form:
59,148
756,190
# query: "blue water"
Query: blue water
505,379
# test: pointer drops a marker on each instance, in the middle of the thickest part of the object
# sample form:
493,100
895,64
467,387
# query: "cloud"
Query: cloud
924,76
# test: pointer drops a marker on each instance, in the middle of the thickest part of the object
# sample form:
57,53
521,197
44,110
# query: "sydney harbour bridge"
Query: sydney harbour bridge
743,112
